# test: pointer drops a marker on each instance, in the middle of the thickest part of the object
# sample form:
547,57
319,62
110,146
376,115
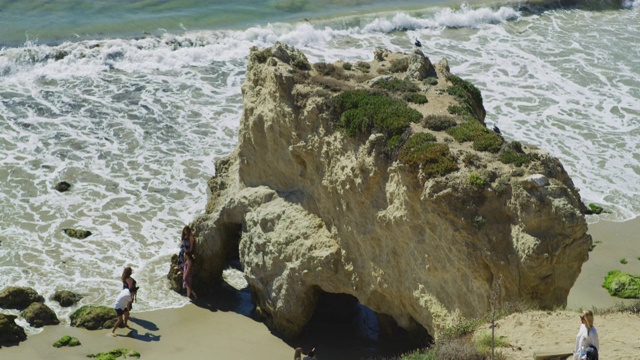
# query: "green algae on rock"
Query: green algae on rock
622,285
66,341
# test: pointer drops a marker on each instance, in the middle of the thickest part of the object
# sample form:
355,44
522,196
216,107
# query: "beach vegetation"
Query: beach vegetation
471,159
431,81
422,151
395,85
512,153
468,96
347,66
439,122
399,65
622,285
488,142
330,70
623,261
115,354
482,341
330,83
66,341
361,112
363,66
415,98
477,180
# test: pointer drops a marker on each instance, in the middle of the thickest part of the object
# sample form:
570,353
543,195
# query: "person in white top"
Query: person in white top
122,307
587,344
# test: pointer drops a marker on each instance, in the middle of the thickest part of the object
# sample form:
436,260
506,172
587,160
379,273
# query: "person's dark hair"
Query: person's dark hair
312,352
126,273
186,232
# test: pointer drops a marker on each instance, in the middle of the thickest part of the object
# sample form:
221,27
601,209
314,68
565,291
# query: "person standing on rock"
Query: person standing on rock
187,278
187,243
121,307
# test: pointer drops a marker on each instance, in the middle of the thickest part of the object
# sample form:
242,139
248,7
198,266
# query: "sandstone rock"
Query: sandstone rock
10,332
309,210
93,317
39,315
66,298
16,297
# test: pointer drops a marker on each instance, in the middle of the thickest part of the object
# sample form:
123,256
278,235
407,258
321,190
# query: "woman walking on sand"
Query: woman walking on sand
128,283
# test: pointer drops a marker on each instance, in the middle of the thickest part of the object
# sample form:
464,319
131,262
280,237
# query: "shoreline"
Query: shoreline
204,331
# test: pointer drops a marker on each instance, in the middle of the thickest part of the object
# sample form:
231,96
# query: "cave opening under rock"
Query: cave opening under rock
342,328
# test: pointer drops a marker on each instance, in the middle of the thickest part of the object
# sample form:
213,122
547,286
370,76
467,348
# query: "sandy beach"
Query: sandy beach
196,332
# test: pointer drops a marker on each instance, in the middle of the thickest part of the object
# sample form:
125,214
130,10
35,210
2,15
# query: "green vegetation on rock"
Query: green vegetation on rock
66,341
361,112
415,98
94,317
622,285
431,81
395,85
477,180
439,122
421,150
512,153
468,96
472,130
115,353
399,65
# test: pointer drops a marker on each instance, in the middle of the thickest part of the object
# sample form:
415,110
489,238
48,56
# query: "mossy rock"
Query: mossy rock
66,298
39,315
77,233
93,317
67,341
622,285
115,354
10,332
594,209
17,297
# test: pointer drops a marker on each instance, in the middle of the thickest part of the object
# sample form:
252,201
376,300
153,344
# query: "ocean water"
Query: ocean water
132,102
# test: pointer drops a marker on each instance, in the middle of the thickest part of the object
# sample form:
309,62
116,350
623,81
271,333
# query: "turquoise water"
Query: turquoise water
53,22
133,102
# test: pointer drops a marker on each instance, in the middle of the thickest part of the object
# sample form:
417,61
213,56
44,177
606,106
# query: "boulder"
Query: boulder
77,233
39,315
17,297
63,186
311,206
93,317
66,298
10,332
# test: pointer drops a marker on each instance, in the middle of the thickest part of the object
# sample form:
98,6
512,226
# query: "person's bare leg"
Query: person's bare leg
113,331
126,319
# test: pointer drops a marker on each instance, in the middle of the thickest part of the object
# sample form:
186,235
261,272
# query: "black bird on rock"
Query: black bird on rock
418,43
496,129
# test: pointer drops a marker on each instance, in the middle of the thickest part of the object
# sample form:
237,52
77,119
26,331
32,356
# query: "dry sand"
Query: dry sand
194,332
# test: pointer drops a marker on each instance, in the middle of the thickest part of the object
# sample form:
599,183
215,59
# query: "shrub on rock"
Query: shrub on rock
17,297
39,315
93,317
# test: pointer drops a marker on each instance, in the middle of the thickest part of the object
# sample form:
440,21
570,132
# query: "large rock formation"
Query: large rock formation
333,193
